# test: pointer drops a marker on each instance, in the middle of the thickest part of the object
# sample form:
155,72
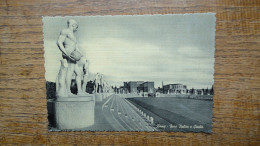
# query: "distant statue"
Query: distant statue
85,76
97,83
104,86
102,83
107,87
67,44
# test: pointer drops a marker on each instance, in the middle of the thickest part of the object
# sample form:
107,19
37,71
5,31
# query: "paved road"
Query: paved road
123,116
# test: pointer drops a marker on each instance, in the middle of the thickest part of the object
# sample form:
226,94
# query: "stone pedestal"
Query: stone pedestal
98,97
74,113
104,95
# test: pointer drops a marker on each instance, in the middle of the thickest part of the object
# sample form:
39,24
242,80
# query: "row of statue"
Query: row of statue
100,85
74,63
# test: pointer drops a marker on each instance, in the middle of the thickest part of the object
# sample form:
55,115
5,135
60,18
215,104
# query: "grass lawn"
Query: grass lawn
177,110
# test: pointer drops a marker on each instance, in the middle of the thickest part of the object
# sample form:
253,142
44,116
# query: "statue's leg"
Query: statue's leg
70,71
96,87
85,81
61,90
84,87
78,78
57,84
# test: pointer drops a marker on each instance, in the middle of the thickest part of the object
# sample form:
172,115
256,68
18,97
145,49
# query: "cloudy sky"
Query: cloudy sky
168,48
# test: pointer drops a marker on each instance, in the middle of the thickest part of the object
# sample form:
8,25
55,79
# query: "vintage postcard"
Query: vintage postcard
130,73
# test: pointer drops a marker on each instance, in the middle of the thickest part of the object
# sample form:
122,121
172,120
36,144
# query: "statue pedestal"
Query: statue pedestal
104,95
72,113
98,97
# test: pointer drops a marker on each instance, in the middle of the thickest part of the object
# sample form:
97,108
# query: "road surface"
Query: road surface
123,116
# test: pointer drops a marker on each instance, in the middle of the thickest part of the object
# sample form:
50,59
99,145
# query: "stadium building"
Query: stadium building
139,87
175,88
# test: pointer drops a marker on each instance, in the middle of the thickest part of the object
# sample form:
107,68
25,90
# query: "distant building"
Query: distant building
137,87
175,88
202,91
159,90
122,90
132,86
199,92
192,91
146,87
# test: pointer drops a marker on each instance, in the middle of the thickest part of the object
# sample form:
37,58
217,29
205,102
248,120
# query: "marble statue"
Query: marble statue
106,87
97,83
72,111
85,76
102,83
67,44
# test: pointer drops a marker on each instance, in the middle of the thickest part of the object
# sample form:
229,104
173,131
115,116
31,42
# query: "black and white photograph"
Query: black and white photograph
151,73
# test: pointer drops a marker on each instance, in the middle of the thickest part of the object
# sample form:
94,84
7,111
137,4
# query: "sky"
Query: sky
171,49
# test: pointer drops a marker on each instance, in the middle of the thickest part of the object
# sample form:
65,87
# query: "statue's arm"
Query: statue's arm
60,41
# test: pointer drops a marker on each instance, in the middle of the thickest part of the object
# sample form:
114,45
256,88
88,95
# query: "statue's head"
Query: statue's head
73,24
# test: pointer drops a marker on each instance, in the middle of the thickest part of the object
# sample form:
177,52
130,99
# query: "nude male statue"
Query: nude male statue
102,83
85,76
67,43
106,87
97,82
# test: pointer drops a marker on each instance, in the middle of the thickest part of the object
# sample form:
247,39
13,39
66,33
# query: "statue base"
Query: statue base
104,96
72,113
98,97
